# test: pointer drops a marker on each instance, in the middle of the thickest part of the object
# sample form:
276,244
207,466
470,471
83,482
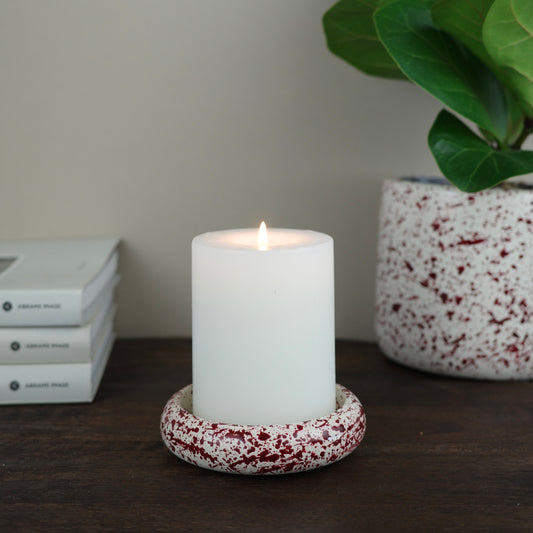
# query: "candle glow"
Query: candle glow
262,237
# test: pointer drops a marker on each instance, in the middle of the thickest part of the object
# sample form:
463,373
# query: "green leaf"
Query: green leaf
440,65
463,19
351,35
470,163
508,37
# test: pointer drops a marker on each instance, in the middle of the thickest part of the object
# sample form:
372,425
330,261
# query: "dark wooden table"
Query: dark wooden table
439,455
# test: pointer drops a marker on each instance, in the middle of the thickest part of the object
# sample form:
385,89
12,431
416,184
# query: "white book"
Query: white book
73,344
55,383
54,282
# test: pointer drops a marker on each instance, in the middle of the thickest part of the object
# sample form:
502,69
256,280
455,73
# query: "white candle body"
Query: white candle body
263,327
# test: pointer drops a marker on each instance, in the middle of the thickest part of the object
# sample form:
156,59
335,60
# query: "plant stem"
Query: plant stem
526,132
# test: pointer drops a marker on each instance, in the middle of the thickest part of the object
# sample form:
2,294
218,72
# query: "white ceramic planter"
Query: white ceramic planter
454,290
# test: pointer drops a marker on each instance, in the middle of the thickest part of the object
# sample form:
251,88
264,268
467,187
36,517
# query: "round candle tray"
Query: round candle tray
270,449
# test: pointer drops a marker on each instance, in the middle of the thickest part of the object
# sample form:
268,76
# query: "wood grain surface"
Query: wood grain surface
440,454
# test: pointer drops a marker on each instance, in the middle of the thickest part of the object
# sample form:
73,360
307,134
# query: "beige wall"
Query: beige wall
158,120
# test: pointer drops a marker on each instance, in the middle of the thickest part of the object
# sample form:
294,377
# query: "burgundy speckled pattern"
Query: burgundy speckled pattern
454,289
273,449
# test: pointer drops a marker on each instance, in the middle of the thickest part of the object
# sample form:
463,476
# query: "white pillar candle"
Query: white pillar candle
263,326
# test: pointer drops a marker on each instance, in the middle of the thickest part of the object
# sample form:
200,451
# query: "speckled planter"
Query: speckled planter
273,449
454,291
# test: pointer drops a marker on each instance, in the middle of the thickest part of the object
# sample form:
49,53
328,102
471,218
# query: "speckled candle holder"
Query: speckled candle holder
272,449
454,288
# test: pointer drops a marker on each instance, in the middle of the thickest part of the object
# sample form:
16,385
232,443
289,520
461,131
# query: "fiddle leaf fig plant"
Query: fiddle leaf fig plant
475,56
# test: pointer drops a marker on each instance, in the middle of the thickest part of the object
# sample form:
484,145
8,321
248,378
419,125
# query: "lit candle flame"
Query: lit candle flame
262,237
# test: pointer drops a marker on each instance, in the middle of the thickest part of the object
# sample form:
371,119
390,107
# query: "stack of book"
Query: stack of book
57,311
